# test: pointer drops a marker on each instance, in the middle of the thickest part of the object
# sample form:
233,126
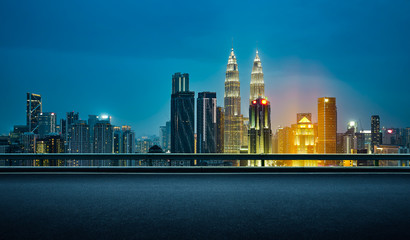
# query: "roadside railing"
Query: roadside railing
203,160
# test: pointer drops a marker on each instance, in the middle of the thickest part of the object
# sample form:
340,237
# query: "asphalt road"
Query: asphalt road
205,206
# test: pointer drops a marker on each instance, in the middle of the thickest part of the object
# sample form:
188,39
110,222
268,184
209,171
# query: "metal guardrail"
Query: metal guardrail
201,156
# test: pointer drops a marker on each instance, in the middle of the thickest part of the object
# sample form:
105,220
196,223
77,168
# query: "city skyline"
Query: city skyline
307,53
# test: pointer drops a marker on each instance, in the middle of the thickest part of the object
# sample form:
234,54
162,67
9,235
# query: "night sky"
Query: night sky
118,57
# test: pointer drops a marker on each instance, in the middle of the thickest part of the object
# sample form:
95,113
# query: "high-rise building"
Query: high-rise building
220,121
182,115
128,140
80,137
206,122
232,101
71,118
375,132
260,132
165,136
46,123
327,125
257,83
103,137
304,136
34,108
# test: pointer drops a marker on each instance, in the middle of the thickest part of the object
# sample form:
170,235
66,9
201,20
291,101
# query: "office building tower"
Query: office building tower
375,132
182,115
46,123
71,118
117,138
220,121
260,132
257,83
143,144
165,137
34,108
28,142
232,101
304,139
128,140
103,137
92,120
327,125
206,122
80,137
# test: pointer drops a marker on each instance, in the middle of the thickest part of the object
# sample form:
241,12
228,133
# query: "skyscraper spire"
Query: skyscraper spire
232,102
257,83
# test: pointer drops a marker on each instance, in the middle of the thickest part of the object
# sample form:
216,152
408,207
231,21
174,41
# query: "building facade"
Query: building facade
327,125
232,101
182,115
260,132
34,108
47,123
206,122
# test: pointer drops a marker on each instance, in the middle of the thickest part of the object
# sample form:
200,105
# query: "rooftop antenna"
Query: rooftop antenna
232,42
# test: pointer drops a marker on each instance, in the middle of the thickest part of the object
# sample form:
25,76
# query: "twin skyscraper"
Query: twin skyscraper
221,130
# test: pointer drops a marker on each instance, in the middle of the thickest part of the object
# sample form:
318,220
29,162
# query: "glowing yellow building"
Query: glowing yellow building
304,138
232,101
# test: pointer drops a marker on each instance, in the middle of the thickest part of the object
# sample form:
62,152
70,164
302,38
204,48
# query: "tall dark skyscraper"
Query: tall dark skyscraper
34,108
182,115
80,137
375,132
260,132
206,122
46,123
220,122
71,118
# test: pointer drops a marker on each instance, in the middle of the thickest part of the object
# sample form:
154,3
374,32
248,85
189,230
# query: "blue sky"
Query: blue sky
117,57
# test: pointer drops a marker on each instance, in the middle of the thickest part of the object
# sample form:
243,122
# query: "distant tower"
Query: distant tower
182,115
46,123
206,122
327,125
260,132
257,83
232,100
80,137
375,132
220,122
34,108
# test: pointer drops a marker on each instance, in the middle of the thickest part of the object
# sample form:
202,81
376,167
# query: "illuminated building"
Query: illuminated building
128,140
71,118
206,122
80,137
232,101
92,120
34,108
285,143
143,144
182,115
260,132
245,137
103,137
327,125
117,138
220,122
375,131
304,136
46,123
257,84
50,144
